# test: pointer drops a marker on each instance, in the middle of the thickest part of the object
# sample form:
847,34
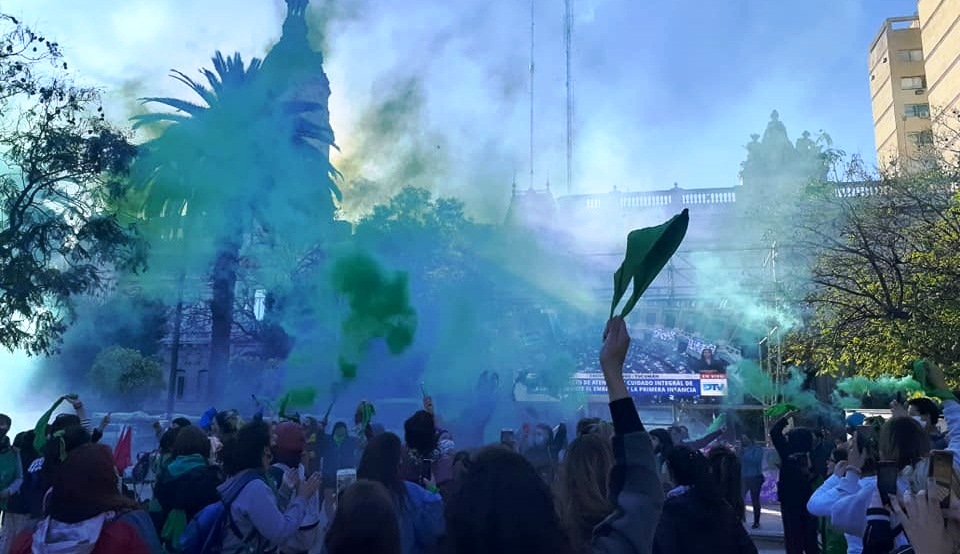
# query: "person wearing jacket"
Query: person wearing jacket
336,451
89,510
751,474
187,484
795,487
259,523
11,473
16,516
697,503
503,506
288,454
841,492
419,507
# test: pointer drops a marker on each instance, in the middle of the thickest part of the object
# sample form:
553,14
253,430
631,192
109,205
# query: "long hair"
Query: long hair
666,441
503,506
584,487
366,521
420,433
904,441
381,462
246,448
725,468
689,468
87,485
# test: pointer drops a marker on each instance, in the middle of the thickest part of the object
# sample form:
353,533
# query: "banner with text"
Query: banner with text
681,385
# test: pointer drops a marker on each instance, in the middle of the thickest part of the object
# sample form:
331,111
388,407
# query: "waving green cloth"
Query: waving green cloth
648,250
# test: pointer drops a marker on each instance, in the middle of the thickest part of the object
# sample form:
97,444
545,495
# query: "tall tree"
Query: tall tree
63,167
885,278
248,166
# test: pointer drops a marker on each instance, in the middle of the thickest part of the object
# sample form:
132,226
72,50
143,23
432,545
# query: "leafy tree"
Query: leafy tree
124,373
63,167
885,279
242,172
133,322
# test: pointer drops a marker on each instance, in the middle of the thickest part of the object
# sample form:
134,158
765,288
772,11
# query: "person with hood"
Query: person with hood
88,515
259,524
289,454
187,484
696,517
795,486
336,451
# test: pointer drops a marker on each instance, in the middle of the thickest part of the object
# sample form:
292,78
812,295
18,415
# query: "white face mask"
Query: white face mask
921,420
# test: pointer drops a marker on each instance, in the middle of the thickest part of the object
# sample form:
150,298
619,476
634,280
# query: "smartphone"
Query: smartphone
941,471
507,437
887,474
426,470
900,397
345,478
866,437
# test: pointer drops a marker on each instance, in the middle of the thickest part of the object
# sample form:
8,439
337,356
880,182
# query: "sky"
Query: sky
667,91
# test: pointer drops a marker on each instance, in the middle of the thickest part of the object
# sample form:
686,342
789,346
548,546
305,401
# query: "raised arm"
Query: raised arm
635,484
777,438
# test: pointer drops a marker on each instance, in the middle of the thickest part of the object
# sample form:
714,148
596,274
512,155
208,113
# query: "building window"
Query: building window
259,304
181,383
923,138
914,55
913,83
917,110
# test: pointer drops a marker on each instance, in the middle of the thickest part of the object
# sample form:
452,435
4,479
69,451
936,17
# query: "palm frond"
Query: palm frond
208,96
308,129
176,103
140,120
303,106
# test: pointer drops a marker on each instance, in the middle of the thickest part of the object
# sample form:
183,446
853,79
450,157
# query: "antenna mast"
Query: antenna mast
533,15
568,41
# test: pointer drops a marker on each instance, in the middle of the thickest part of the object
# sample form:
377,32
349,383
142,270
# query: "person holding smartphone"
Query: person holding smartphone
847,492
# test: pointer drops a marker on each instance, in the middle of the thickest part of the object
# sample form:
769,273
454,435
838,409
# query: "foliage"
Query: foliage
63,167
128,321
886,274
126,373
241,175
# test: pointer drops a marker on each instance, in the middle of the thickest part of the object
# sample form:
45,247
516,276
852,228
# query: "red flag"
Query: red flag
122,452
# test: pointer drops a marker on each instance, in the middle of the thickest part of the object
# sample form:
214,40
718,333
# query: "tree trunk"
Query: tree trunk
175,349
221,313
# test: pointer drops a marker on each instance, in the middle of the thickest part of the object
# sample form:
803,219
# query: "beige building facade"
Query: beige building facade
940,30
898,90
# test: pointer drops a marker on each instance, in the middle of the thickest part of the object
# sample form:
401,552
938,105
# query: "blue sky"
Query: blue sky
667,90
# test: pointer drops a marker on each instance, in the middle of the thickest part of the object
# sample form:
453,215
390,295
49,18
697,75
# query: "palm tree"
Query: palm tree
247,159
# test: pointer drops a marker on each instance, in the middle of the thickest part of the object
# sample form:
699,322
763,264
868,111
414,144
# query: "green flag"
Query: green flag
648,250
779,410
717,423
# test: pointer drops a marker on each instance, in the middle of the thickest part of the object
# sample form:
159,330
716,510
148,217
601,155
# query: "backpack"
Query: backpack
142,468
204,533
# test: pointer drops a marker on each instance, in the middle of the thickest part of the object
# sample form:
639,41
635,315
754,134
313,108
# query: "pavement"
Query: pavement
769,537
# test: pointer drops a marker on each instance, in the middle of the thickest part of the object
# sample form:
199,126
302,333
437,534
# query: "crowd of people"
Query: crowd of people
291,486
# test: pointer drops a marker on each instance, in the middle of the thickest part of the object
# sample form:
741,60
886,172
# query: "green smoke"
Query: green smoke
863,392
379,307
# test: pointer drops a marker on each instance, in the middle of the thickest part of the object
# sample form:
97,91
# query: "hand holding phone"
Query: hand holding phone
887,474
941,471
